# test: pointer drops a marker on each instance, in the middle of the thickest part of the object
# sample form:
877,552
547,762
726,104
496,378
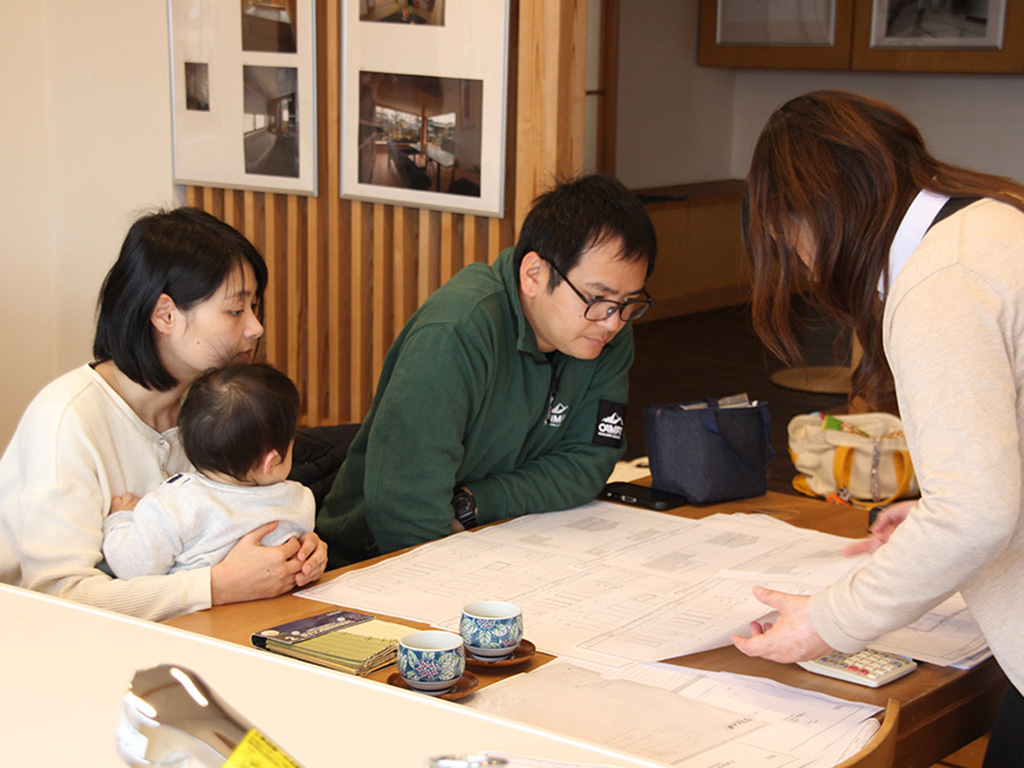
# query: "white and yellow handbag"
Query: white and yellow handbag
860,458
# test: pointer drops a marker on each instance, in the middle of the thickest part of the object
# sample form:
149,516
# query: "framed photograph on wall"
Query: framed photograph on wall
776,22
243,88
423,103
957,24
784,34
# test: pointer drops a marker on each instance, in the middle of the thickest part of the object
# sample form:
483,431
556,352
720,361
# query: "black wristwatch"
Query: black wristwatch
464,506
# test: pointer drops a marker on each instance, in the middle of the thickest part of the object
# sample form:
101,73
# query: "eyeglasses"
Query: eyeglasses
601,309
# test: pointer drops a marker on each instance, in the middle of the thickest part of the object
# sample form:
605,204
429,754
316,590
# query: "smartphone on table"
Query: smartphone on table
641,496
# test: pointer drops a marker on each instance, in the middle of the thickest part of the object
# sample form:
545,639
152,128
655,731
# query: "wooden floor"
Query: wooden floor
717,353
384,174
970,756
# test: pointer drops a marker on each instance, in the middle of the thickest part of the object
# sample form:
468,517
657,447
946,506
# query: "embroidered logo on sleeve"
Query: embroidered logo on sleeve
611,421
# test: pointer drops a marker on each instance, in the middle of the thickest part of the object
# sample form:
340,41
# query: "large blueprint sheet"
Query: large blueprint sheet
603,581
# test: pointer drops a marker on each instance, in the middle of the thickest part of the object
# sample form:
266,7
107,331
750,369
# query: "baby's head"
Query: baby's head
239,422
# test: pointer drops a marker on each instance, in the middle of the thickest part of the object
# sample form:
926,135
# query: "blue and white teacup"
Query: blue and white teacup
431,660
491,629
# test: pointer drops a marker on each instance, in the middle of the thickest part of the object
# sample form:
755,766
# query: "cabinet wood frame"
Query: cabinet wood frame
836,56
852,47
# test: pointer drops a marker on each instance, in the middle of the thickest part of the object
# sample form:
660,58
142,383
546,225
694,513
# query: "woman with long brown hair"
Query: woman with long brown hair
924,261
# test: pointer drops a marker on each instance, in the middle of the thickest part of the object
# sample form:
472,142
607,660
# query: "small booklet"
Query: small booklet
351,642
732,401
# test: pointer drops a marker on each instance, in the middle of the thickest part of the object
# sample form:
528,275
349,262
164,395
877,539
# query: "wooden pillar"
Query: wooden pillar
550,102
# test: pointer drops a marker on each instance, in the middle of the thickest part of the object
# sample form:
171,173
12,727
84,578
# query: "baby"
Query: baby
237,425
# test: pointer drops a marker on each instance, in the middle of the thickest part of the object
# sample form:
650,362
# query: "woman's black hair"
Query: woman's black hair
580,214
234,416
185,253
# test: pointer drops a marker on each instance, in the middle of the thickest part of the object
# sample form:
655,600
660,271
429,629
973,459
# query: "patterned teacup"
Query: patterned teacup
431,660
491,629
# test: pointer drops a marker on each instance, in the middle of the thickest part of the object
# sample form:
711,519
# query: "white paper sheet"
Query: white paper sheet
801,728
640,719
628,471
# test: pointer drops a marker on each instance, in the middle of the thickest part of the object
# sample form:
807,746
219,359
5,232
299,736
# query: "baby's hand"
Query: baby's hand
123,502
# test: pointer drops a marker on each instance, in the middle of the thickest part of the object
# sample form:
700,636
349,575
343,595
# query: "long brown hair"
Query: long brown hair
847,167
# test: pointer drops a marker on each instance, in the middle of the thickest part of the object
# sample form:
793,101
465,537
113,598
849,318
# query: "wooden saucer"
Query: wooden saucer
464,686
523,652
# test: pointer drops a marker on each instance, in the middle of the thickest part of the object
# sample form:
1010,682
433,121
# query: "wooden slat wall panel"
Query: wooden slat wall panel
275,304
429,275
383,288
361,298
405,267
346,275
315,348
294,306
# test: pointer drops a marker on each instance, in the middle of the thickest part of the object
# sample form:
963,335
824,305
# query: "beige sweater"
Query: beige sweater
77,446
954,337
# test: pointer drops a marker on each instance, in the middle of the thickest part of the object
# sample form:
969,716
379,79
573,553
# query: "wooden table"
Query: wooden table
439,157
942,709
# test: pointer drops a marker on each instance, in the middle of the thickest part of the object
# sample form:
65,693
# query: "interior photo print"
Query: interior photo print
403,11
269,25
420,133
935,19
271,121
754,22
197,86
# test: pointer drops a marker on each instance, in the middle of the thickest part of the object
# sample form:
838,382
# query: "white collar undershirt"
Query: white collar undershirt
912,229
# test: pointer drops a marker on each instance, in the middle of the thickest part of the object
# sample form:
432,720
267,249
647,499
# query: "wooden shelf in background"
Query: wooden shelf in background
701,262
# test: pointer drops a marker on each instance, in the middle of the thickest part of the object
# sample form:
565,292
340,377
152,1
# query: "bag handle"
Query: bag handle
842,468
710,422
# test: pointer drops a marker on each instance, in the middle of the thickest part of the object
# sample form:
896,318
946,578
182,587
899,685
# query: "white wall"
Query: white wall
675,119
27,297
680,123
970,120
86,144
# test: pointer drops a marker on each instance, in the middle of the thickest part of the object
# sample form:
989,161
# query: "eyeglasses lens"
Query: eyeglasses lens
602,310
634,310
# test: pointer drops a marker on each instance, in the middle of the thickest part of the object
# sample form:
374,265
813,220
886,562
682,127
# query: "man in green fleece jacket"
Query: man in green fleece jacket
505,394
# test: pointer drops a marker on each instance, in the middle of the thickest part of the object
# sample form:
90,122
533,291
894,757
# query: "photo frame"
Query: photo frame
423,107
776,22
783,34
938,24
243,93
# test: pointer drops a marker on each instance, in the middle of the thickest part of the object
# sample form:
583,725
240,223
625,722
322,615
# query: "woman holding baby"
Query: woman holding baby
184,296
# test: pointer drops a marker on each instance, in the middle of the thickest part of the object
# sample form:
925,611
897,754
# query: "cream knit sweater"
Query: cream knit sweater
954,336
77,446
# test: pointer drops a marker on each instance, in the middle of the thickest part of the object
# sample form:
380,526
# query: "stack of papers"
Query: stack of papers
947,635
351,642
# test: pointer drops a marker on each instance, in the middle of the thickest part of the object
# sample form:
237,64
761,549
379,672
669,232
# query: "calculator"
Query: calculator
867,667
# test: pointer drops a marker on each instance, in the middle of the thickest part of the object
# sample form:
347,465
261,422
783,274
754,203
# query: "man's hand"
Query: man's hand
791,638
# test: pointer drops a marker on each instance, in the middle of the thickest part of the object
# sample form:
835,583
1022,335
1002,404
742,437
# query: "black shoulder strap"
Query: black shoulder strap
952,205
